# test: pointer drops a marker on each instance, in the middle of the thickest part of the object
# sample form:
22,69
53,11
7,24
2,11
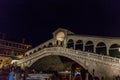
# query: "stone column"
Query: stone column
95,44
74,44
94,49
108,47
107,50
83,46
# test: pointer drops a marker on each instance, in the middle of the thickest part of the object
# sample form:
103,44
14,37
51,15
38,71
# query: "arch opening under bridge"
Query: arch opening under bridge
63,65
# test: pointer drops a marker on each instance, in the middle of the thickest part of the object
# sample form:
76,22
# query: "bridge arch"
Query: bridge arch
77,60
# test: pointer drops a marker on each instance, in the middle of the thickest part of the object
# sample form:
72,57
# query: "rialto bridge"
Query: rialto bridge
96,54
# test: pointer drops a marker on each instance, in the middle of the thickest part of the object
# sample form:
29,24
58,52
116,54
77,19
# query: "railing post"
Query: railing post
101,57
119,61
88,54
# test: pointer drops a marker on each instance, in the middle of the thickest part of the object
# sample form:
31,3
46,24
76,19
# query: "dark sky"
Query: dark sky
35,20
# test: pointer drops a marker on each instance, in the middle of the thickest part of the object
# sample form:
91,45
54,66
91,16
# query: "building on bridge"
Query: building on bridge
10,51
99,55
109,46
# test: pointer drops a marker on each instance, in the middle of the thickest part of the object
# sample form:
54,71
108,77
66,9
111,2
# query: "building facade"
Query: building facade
10,51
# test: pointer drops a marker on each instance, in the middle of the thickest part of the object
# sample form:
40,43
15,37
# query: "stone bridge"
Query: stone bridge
99,55
105,66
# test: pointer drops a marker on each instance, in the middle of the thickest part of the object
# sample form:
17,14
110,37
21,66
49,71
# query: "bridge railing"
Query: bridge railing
100,57
94,56
87,55
31,56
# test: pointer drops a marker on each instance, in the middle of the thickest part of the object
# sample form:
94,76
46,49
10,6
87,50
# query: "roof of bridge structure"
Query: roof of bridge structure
64,30
74,34
107,37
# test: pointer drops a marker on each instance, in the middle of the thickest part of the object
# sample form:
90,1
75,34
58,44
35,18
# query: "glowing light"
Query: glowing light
60,36
119,49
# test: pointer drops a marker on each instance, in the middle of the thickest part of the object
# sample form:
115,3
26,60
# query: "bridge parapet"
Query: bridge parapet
103,65
77,53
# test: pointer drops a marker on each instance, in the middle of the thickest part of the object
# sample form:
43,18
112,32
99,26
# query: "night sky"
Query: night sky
35,20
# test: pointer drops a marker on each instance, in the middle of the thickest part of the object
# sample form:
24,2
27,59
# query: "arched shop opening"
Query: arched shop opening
89,47
70,44
66,68
79,45
114,50
101,48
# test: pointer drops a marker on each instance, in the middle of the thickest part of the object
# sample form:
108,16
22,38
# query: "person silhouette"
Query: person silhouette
11,74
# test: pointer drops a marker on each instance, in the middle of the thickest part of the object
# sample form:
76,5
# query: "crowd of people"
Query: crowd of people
16,73
12,72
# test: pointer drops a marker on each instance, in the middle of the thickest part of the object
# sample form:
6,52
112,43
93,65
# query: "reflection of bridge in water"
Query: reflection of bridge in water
91,52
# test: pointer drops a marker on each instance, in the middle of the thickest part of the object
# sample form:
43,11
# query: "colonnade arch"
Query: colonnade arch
114,50
70,44
101,48
79,45
96,47
89,46
50,44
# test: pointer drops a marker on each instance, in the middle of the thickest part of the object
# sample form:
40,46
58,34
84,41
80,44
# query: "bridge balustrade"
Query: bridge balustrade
77,53
111,60
92,55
